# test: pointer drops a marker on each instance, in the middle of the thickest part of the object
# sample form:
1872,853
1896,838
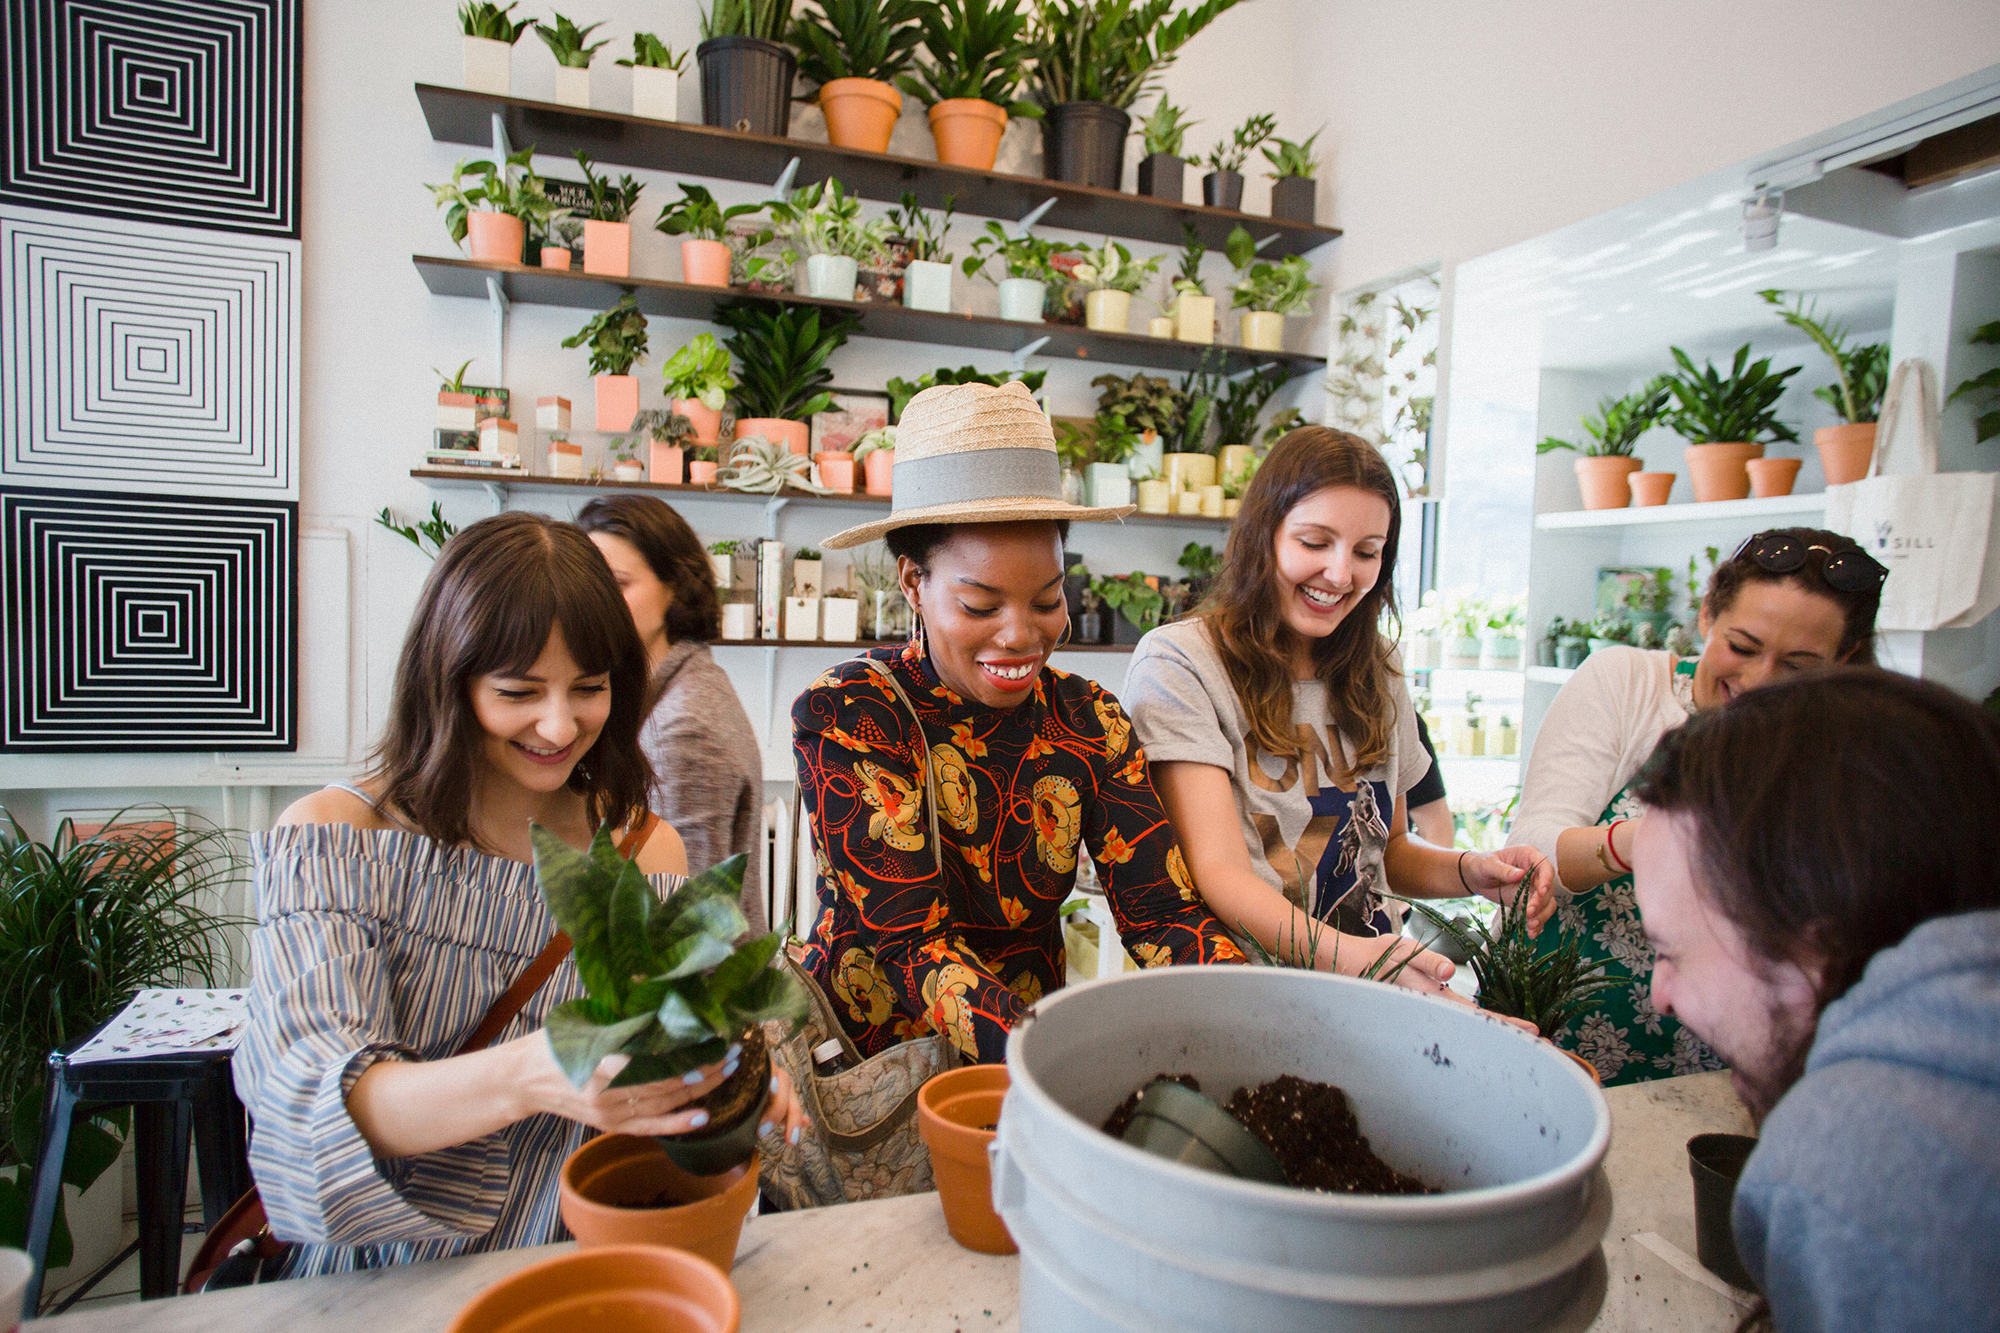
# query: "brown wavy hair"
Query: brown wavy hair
1857,609
1355,661
669,547
496,592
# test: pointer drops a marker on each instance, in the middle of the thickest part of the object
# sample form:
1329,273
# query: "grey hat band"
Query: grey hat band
977,474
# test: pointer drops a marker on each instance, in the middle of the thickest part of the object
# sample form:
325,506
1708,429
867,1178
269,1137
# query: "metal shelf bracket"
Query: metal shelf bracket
781,190
1035,214
772,508
1018,362
497,301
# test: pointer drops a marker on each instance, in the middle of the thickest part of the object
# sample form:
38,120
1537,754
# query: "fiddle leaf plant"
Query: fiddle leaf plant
668,984
978,49
1739,408
1863,371
616,338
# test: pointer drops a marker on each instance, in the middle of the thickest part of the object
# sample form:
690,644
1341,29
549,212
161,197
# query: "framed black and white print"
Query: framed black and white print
135,625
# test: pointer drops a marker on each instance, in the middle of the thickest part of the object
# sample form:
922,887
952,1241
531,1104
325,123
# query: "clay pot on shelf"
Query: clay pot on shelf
1223,189
1263,331
1845,451
637,1288
795,435
860,113
489,66
665,464
746,85
573,86
495,237
957,1112
879,469
701,472
705,263
607,249
555,257
927,286
1162,176
707,420
1155,497
1651,488
1719,471
1084,143
621,1190
1772,477
831,277
968,130
1106,311
836,470
1602,480
617,401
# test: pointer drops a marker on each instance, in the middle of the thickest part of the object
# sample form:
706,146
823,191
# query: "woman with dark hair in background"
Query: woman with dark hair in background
708,771
1788,601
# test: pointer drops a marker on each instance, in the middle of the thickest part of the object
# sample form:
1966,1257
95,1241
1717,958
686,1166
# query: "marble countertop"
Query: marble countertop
890,1265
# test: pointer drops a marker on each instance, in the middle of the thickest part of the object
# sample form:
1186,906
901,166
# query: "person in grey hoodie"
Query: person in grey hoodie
1823,891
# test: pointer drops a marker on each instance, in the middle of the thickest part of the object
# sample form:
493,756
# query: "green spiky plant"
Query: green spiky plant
616,338
1984,387
781,354
1243,399
1188,281
569,44
482,18
1110,50
1740,408
901,391
1166,129
1863,371
765,19
857,39
1289,159
1619,422
1230,154
609,202
978,49
649,52
454,383
428,536
924,230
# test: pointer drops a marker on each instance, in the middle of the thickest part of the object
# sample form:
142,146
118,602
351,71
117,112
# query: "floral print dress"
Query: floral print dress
904,950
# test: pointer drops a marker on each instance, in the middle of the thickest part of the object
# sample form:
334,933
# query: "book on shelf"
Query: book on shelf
472,459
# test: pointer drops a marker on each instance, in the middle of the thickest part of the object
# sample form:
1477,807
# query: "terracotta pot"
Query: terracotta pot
554,256
705,263
836,470
665,464
607,249
1651,488
633,1288
1771,477
1845,451
968,130
1718,470
860,113
879,468
617,401
793,434
707,421
701,473
495,237
603,1180
1107,311
1263,331
1588,1067
955,1111
1603,483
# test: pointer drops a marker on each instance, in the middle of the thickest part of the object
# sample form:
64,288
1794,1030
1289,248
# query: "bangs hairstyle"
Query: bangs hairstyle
670,549
1241,608
497,591
1857,609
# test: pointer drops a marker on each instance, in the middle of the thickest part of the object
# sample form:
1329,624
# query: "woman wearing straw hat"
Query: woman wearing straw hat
952,782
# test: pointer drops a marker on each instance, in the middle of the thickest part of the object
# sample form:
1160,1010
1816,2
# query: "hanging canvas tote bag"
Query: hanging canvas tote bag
1933,530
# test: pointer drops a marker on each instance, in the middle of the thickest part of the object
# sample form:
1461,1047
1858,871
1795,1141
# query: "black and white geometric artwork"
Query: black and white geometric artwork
155,358
147,625
178,111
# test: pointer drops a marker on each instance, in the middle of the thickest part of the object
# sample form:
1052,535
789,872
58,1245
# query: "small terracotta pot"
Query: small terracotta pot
1651,488
1603,480
1718,471
607,249
701,473
707,421
665,464
633,1288
880,469
608,1185
1845,451
554,256
968,130
705,263
860,113
495,237
836,470
954,1112
617,401
1770,477
793,434
1588,1067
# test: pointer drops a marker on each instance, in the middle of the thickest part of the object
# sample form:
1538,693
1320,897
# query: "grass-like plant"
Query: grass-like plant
1863,371
569,44
700,370
1165,131
765,19
428,536
609,202
1741,407
1230,154
698,217
1026,256
649,52
1985,388
901,391
453,383
924,230
616,338
1110,50
781,354
1290,159
496,191
1618,423
857,39
978,49
1549,988
483,18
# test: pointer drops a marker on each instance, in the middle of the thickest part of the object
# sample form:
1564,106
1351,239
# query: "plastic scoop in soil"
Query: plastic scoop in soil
1182,1125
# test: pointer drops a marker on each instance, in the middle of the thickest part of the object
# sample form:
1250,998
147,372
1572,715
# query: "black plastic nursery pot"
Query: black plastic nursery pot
746,85
1292,198
1122,628
1716,1161
1223,189
1185,1126
727,1144
1083,143
1161,176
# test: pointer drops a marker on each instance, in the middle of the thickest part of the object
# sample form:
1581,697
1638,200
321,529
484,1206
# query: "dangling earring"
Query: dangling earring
917,633
1069,630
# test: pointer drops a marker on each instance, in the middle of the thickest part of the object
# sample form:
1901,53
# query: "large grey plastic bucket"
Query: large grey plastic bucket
1116,1239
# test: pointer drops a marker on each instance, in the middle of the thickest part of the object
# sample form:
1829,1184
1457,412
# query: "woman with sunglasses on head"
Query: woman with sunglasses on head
1788,601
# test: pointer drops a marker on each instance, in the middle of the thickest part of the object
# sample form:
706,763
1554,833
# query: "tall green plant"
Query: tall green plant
1741,407
765,19
781,354
1863,371
496,191
1550,989
616,338
1231,153
1244,397
857,39
609,202
1619,422
978,49
569,44
924,230
1109,50
428,536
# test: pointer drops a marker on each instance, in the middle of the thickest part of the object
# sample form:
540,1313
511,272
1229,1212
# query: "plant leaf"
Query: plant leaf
679,1017
579,1042
770,994
578,894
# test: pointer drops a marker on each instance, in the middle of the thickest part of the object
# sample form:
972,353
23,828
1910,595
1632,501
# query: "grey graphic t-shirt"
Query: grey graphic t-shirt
1315,828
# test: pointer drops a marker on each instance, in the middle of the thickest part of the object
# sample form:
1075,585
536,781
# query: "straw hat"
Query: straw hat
972,453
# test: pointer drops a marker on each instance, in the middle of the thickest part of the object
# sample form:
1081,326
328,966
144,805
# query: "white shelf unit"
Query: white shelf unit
1541,675
1779,509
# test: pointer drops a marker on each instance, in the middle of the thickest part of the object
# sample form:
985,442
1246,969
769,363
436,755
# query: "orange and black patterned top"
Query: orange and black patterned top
903,952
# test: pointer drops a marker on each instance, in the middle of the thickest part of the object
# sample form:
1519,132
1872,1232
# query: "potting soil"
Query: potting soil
1120,1118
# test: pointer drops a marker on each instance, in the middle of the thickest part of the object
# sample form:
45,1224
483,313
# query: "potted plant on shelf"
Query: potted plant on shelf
1093,58
705,251
1293,177
782,353
1151,407
1727,420
746,69
1099,453
670,433
656,77
1267,293
1109,276
761,466
1500,638
840,615
497,211
978,56
1856,395
1983,389
697,383
1222,187
625,464
616,338
1236,411
1030,270
722,559
1607,630
901,391
489,45
927,274
566,42
557,244
1464,617
875,454
1193,309
1162,171
1138,602
607,221
852,51
1605,467
824,222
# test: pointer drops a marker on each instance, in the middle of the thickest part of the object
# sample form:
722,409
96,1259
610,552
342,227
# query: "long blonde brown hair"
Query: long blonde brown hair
1241,609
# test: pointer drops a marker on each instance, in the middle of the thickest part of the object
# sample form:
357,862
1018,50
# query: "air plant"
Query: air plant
765,467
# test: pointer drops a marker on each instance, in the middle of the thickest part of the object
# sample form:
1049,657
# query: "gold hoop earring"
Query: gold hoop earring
1069,632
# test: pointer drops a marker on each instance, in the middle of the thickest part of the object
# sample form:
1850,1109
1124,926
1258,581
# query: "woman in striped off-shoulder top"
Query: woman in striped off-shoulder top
393,913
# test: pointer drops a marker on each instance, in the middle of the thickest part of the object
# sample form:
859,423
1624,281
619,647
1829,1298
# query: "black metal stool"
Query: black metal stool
173,1097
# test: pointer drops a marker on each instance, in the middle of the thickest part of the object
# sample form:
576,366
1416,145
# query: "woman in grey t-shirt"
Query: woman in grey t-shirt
1279,734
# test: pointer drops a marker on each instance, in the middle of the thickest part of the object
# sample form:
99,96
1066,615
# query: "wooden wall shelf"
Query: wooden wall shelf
859,644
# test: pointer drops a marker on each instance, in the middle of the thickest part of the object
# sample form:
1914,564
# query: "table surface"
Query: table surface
890,1265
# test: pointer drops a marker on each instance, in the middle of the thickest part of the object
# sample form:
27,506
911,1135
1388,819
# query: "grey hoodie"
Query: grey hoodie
1873,1199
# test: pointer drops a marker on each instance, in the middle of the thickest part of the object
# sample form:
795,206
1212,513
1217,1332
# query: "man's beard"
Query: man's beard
1791,1044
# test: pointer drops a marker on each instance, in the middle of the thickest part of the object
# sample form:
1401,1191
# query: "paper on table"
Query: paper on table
159,1022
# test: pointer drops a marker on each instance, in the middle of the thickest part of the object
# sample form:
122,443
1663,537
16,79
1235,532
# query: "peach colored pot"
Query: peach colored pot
632,1288
1718,471
1588,1067
495,237
555,257
701,473
1844,451
860,113
836,470
707,422
607,249
955,1112
1603,480
617,401
1770,477
880,469
1651,488
968,130
665,464
795,435
614,1170
705,263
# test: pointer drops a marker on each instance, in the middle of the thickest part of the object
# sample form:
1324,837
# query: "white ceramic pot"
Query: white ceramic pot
724,566
1155,497
1461,652
1263,331
1106,485
489,66
739,620
1499,652
656,93
802,619
807,578
573,86
831,277
840,619
1145,459
629,471
1021,299
927,286
1194,319
1108,311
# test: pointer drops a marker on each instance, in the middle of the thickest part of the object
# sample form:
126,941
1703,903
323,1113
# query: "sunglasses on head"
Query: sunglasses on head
1849,569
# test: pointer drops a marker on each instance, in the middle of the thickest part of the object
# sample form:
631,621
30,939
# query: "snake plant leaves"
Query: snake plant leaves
578,893
580,1041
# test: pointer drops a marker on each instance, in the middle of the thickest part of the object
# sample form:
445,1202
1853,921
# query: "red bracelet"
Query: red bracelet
1611,848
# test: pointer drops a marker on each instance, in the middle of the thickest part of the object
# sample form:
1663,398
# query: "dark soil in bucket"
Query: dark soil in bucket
1122,1117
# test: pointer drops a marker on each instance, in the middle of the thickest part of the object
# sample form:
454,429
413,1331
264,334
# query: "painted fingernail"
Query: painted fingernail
733,1052
729,1070
697,1120
793,1137
765,1128
692,1077
774,1083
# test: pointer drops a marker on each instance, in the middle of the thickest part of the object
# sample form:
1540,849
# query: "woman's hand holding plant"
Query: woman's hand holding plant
1502,874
